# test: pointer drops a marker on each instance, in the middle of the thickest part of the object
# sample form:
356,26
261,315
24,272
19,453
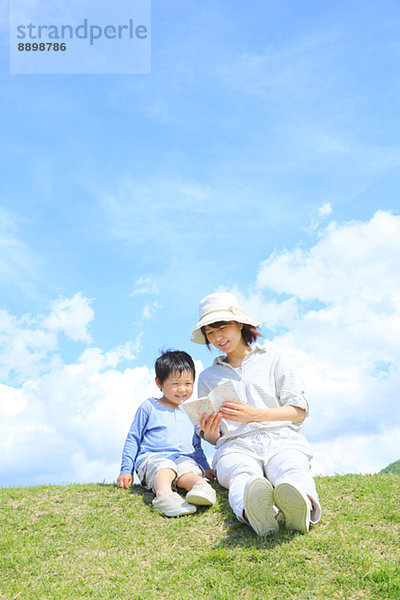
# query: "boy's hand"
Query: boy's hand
125,480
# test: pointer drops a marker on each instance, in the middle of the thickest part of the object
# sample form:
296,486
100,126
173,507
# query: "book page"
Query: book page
224,392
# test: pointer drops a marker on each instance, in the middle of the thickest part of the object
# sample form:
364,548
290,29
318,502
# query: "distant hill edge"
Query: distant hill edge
392,468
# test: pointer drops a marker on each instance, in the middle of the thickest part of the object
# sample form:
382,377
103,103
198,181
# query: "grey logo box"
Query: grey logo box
80,37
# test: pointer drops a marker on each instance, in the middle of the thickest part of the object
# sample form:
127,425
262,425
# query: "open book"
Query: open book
196,408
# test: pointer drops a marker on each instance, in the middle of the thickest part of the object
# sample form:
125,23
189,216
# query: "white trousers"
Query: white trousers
286,466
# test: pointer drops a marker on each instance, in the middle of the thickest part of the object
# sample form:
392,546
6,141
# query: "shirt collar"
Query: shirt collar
255,349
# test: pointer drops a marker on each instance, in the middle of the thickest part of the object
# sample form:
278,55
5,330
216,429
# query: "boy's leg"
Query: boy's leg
190,479
159,475
199,491
162,482
295,491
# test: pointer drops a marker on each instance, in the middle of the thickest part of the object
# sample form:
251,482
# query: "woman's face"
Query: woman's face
226,337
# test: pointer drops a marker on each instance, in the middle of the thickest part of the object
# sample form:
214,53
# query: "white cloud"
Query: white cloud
28,344
341,312
12,400
355,453
62,411
24,346
67,422
72,317
353,262
325,210
17,262
149,310
145,285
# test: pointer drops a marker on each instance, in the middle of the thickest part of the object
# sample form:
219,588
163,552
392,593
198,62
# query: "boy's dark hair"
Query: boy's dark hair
173,361
249,332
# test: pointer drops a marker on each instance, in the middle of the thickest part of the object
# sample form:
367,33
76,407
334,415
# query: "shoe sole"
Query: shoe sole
258,506
179,512
199,499
293,505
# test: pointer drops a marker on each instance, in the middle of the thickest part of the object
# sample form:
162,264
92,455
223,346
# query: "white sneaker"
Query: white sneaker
259,506
173,505
201,494
295,506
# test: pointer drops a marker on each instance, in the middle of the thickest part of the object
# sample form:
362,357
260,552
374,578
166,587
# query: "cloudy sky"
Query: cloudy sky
260,156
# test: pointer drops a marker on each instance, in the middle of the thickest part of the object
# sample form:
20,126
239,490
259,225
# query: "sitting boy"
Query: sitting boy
162,445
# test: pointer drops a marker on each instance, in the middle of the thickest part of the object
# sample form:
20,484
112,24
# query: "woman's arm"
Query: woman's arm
243,413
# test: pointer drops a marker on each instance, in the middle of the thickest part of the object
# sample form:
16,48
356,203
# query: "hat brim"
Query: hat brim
215,317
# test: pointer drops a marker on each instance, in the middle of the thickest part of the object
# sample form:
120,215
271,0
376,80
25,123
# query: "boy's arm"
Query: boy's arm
133,441
199,455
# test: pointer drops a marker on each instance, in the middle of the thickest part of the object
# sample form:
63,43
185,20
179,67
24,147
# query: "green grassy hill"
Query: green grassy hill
98,541
392,468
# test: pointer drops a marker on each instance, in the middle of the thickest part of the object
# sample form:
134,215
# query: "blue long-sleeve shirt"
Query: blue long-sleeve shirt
166,431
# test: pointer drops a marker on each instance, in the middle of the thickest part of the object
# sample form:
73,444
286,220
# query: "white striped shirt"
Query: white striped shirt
265,379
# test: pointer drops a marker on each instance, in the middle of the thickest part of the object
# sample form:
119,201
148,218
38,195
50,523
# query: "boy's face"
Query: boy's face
177,388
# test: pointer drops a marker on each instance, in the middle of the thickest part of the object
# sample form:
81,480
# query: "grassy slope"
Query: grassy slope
392,468
97,541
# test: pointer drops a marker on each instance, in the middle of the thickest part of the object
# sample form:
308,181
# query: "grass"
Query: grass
98,541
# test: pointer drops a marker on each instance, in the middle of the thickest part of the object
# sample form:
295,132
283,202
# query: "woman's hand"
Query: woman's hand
238,411
210,424
210,474
243,413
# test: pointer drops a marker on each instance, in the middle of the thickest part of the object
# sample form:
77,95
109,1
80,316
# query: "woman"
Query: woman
261,456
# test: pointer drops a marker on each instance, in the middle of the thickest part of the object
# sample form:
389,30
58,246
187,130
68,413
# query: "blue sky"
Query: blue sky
261,155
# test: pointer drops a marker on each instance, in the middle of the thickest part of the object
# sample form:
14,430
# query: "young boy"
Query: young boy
162,445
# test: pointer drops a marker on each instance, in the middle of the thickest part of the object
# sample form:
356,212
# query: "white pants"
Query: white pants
290,466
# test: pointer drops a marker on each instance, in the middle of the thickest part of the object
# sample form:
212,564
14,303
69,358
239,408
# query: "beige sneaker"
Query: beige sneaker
173,505
259,506
201,494
295,506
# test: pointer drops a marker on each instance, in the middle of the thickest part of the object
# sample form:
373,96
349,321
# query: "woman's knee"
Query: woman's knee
229,471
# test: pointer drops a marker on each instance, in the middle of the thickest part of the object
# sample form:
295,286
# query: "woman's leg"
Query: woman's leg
233,472
293,466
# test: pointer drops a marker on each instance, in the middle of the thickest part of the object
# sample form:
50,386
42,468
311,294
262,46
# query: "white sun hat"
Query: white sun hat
221,306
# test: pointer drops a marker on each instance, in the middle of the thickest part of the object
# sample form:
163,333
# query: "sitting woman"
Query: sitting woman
261,456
